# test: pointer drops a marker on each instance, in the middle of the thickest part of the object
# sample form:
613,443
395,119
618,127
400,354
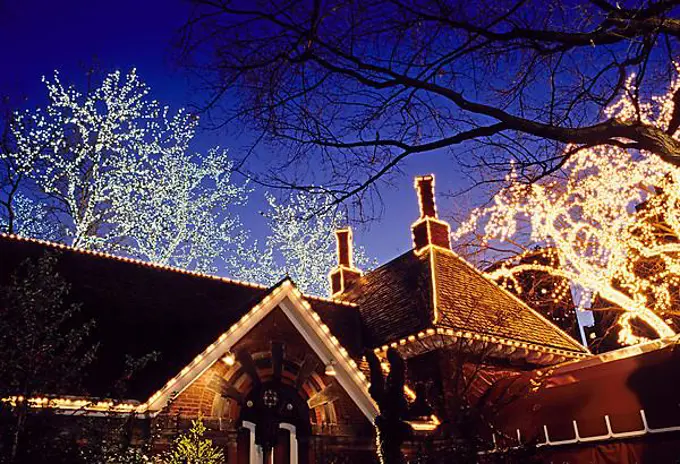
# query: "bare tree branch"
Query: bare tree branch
355,88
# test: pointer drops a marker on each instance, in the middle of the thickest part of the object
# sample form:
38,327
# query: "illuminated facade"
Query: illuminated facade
278,376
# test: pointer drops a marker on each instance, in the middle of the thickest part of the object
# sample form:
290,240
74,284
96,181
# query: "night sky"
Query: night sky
38,37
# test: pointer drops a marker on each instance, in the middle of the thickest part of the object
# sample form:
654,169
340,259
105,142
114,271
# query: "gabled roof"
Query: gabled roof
315,332
437,290
548,294
466,299
140,308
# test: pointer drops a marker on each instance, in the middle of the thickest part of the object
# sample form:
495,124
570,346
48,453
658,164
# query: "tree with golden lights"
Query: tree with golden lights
613,214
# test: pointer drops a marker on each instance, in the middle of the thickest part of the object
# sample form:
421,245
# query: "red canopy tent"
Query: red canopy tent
622,406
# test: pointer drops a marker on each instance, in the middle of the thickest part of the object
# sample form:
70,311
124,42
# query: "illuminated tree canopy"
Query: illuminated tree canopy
301,243
613,217
183,210
110,169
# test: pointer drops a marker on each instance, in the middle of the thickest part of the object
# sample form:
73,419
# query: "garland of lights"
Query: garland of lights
602,241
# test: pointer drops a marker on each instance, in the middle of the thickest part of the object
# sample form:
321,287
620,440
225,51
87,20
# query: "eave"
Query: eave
434,338
285,296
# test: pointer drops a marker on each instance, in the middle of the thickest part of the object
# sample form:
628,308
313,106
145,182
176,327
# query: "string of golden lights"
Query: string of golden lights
613,222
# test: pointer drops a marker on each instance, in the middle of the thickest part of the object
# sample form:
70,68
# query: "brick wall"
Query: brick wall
334,426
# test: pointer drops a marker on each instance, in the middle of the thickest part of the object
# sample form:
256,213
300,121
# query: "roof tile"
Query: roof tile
467,300
396,300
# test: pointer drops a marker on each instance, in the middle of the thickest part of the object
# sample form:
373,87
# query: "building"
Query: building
548,294
279,376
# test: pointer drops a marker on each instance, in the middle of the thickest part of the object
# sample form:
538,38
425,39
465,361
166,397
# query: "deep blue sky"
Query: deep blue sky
39,36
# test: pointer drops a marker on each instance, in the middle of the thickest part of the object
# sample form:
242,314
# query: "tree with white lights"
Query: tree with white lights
112,168
180,212
301,243
81,150
616,212
29,218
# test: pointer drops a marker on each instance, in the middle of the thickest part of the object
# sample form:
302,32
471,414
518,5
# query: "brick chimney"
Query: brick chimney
428,229
344,273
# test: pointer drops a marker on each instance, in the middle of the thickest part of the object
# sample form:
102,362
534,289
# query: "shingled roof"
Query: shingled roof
141,308
395,299
436,289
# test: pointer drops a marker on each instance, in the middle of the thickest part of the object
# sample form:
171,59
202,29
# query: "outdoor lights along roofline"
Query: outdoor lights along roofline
330,369
229,359
506,342
149,264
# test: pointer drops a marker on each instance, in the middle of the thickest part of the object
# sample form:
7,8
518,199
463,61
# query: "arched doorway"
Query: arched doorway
275,425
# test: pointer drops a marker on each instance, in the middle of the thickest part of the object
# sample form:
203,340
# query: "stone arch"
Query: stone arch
230,385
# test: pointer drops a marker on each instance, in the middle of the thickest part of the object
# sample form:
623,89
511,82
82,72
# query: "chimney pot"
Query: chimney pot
344,243
345,273
425,190
428,229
